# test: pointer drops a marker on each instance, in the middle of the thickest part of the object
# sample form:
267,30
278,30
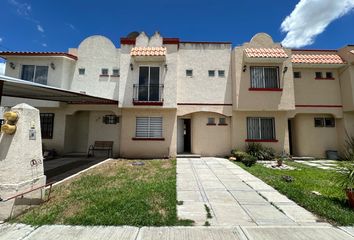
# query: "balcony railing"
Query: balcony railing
148,94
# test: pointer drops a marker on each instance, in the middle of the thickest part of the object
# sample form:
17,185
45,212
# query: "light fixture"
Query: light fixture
52,65
244,68
12,65
285,69
166,67
131,67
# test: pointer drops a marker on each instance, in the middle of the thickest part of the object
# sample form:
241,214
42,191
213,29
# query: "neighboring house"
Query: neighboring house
197,97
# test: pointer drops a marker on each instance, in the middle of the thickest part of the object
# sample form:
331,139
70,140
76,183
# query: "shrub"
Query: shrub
349,148
260,152
239,155
249,160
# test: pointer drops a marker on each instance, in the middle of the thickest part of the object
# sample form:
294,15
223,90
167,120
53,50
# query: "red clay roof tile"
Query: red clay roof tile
63,54
317,58
266,53
148,51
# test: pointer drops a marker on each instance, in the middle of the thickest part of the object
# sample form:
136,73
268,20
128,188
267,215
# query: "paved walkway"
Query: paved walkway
59,232
234,197
321,164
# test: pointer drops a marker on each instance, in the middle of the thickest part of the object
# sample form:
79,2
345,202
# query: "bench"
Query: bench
101,146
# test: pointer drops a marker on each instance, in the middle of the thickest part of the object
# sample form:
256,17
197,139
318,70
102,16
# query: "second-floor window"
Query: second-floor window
264,77
36,74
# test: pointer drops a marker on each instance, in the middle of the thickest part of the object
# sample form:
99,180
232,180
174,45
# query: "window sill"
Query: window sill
261,140
148,103
147,139
211,124
115,76
104,75
324,78
266,89
222,124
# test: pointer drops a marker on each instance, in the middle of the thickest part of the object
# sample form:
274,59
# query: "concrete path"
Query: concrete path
61,232
234,197
321,164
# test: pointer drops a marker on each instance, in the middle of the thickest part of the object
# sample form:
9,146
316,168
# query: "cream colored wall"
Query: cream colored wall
210,140
347,87
130,148
200,88
309,140
239,130
168,76
56,77
95,53
71,133
246,100
309,91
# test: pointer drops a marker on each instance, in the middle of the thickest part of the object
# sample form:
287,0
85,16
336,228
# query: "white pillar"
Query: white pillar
21,163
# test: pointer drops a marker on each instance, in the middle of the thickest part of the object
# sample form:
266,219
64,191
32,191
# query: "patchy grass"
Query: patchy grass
331,205
115,193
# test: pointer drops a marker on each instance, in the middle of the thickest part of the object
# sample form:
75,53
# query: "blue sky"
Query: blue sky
43,25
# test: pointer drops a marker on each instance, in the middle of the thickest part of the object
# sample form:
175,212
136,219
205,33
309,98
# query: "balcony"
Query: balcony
148,95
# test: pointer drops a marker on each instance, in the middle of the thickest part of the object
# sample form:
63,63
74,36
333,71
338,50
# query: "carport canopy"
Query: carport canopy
13,87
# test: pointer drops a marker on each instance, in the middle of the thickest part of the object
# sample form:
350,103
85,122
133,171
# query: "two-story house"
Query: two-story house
203,98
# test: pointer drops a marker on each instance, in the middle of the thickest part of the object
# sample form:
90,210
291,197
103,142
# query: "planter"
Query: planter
350,196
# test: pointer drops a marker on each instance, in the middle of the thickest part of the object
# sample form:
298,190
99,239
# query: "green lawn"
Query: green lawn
115,193
331,205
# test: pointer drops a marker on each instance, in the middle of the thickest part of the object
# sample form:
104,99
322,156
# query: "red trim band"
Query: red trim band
203,42
225,124
146,103
147,139
104,75
261,140
211,124
205,104
266,89
320,106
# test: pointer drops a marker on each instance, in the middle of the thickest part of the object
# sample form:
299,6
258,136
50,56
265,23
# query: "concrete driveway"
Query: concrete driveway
234,196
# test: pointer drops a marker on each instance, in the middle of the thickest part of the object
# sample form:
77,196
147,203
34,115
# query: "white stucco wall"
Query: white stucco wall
200,88
95,53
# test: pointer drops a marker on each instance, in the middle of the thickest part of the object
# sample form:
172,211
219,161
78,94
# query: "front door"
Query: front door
149,81
187,135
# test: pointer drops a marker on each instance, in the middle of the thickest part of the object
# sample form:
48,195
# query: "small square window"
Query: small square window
104,71
330,122
189,73
319,122
211,121
81,71
329,75
211,73
222,121
221,73
115,72
110,119
318,74
297,74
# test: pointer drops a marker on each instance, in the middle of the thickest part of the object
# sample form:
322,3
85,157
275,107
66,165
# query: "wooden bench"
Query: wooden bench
101,146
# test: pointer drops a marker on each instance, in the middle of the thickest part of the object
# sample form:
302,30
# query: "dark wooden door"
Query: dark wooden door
187,135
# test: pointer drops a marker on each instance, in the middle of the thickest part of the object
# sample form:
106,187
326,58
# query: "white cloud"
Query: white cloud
2,68
40,28
1,39
71,26
23,9
44,45
310,18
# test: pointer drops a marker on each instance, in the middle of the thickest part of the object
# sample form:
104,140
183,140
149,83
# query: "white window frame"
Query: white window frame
149,126
211,73
221,75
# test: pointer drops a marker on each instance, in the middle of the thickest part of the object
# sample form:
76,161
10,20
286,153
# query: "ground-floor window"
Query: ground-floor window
260,128
325,122
47,125
148,127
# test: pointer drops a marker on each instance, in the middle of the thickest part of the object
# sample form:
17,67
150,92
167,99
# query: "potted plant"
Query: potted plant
346,180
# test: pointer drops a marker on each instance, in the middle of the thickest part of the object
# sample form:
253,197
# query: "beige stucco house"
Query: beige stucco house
203,98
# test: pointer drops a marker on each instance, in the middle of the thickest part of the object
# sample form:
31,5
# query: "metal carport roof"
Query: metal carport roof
12,87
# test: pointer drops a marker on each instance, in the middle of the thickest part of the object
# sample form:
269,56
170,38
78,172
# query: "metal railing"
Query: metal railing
148,93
